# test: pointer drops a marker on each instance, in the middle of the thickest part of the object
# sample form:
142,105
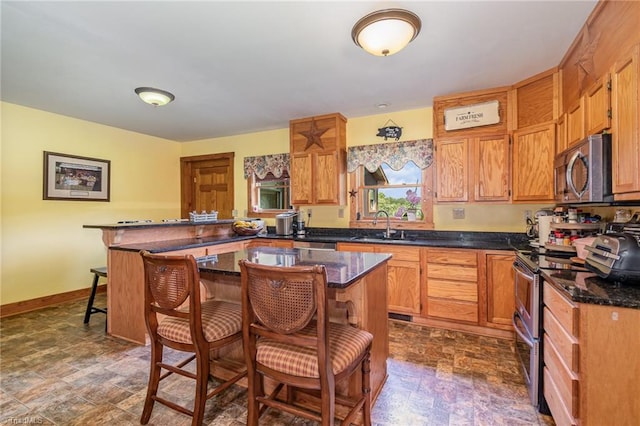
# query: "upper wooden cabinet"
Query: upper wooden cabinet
597,104
452,170
472,169
561,134
575,122
625,99
536,99
532,168
318,160
442,103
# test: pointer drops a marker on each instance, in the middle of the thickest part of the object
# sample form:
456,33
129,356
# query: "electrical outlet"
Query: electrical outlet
234,213
341,212
458,213
527,214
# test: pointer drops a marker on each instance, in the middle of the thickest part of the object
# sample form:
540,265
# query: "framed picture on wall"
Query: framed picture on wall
70,177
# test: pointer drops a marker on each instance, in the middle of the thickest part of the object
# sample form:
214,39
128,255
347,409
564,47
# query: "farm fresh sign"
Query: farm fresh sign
468,116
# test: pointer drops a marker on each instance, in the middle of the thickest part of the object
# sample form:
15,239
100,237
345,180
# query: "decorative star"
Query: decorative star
313,135
584,63
353,193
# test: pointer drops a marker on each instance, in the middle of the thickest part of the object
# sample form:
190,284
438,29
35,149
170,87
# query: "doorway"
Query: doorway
206,183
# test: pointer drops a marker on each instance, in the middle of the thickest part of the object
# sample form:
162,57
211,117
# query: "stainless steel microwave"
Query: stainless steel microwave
582,173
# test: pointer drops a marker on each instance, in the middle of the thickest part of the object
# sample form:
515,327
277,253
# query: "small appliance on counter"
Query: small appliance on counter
615,257
284,223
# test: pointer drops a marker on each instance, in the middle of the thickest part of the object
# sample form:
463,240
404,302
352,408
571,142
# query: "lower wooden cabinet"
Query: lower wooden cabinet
500,291
451,284
403,275
591,366
265,242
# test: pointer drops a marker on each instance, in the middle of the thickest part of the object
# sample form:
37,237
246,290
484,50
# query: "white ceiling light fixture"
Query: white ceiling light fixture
155,97
385,32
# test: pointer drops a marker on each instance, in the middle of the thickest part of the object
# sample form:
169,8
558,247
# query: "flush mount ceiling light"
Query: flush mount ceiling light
155,97
387,31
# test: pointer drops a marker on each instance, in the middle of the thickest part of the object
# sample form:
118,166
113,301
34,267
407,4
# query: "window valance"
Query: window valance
261,165
395,154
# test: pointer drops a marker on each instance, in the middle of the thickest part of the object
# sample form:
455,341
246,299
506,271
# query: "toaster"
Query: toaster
615,257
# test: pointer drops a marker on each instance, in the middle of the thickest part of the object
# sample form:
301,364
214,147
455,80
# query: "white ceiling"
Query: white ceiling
238,67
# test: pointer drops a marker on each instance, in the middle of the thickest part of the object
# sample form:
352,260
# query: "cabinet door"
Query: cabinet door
624,133
533,155
452,171
598,106
491,168
561,133
500,290
326,179
301,179
575,122
404,287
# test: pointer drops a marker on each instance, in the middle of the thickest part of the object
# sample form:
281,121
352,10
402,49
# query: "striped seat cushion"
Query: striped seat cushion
219,319
346,344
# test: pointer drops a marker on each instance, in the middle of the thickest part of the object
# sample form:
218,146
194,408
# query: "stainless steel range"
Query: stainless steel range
527,318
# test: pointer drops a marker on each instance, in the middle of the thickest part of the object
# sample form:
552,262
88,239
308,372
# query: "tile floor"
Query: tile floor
55,370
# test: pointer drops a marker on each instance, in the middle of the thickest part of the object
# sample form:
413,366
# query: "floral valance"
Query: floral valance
262,165
395,154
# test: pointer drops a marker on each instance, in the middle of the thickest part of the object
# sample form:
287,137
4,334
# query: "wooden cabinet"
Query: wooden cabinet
403,275
625,99
561,134
452,170
452,284
575,122
590,363
473,169
266,242
490,161
561,385
532,168
597,103
318,160
500,290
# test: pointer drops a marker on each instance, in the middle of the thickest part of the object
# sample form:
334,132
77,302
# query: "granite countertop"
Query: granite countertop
446,239
343,268
133,224
587,287
182,244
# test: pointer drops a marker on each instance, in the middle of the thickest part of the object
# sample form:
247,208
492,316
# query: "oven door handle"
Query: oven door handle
514,320
522,271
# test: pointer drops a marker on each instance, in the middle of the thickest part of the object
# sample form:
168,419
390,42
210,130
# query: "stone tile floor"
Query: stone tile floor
56,370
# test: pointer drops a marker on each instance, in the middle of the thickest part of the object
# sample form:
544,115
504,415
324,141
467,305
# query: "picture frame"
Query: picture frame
71,177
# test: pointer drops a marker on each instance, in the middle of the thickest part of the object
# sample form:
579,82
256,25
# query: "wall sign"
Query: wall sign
467,116
387,132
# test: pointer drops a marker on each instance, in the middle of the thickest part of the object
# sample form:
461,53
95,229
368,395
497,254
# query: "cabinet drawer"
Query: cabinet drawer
565,312
449,309
558,409
565,343
565,381
456,290
453,257
452,272
411,254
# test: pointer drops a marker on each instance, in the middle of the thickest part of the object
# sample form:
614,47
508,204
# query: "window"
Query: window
400,184
268,184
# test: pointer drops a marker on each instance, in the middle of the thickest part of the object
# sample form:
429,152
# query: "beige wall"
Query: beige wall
44,250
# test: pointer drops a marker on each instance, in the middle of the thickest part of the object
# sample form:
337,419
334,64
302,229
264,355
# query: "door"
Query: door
452,170
207,184
533,155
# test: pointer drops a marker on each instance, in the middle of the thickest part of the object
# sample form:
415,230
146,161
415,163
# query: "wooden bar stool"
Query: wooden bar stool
97,273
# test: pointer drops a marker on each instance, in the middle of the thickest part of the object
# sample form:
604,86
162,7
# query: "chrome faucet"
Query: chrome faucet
388,232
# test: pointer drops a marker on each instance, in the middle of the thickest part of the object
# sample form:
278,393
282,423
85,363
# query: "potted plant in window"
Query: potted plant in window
413,210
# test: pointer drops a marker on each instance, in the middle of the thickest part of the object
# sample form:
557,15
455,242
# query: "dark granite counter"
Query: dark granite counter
181,244
145,224
343,268
446,239
587,287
